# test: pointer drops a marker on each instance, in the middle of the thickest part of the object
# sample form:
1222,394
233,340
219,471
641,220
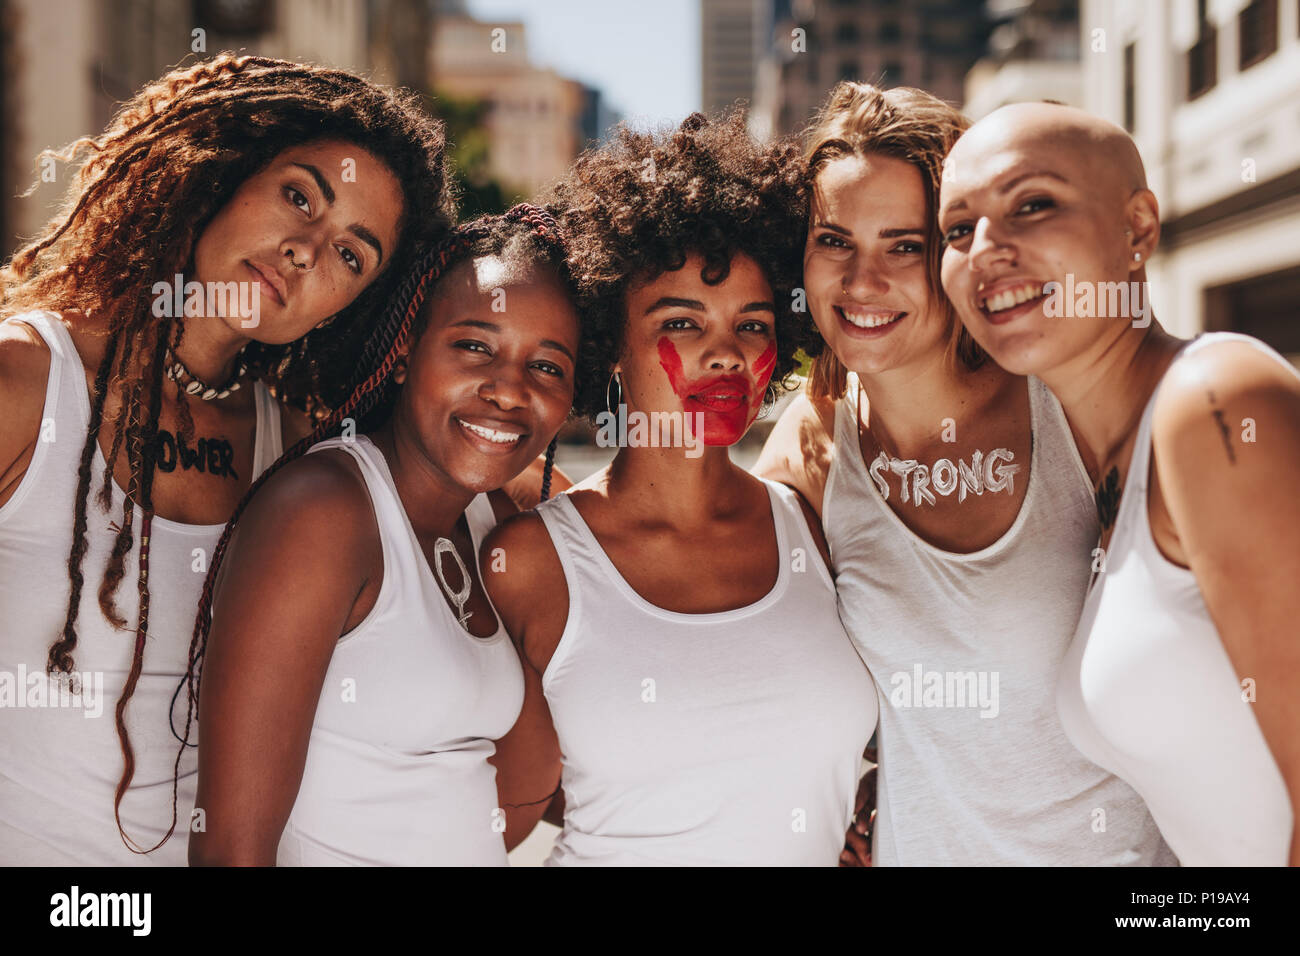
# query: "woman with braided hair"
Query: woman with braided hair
296,191
355,676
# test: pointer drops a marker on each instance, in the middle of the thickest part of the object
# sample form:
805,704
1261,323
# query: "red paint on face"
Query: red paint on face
727,402
763,367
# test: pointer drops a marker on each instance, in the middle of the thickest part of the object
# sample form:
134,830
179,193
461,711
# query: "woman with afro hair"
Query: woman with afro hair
297,191
687,679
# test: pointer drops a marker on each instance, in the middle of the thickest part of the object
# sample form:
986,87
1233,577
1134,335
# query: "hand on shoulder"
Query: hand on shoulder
798,452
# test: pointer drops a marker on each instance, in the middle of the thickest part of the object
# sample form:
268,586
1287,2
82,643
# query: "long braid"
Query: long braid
148,443
60,655
391,341
105,496
125,537
550,465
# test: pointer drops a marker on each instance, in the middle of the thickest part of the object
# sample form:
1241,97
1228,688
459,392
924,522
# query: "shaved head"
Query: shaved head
1101,151
1039,197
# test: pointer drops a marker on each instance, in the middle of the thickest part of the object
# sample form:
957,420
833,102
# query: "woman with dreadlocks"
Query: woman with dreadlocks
688,679
356,676
297,191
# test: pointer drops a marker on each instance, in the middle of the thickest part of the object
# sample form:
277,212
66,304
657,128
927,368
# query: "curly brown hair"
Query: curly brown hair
904,123
640,205
168,162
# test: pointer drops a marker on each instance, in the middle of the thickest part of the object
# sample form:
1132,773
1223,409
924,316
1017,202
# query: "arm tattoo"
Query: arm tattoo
1223,429
1108,493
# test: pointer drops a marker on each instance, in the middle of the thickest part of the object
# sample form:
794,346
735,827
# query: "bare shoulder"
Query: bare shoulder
526,545
525,579
814,527
1232,369
24,366
799,450
1226,385
24,371
316,507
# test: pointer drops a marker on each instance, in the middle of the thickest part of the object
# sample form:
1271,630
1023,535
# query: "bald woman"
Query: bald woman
1184,674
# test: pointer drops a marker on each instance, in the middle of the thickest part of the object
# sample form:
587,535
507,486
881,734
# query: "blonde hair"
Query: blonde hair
904,123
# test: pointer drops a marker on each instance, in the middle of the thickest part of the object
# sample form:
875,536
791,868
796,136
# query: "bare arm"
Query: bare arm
798,452
288,586
524,578
1237,519
24,371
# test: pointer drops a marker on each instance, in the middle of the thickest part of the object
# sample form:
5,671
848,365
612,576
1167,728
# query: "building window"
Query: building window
890,32
1257,32
1261,306
892,75
1202,58
846,32
848,70
1130,87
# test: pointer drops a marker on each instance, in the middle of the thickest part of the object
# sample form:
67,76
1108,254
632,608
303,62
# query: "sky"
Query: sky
643,55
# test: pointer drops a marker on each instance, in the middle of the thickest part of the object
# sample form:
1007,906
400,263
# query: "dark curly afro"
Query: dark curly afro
640,205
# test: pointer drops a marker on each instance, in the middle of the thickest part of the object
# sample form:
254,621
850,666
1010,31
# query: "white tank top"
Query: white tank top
731,738
397,770
975,768
59,766
1148,691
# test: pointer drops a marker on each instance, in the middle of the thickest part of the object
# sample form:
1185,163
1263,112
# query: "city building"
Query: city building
535,117
1209,92
67,66
810,45
731,41
1033,54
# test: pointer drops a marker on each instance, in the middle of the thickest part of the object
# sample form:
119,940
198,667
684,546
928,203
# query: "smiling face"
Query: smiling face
864,264
1030,196
698,348
490,380
309,239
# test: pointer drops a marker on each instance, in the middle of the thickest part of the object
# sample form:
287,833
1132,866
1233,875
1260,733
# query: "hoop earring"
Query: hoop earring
609,405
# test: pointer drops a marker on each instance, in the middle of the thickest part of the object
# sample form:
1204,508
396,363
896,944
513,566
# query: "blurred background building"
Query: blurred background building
1209,89
810,45
1032,54
65,66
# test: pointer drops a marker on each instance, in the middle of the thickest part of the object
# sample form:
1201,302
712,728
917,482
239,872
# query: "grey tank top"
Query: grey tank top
975,768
